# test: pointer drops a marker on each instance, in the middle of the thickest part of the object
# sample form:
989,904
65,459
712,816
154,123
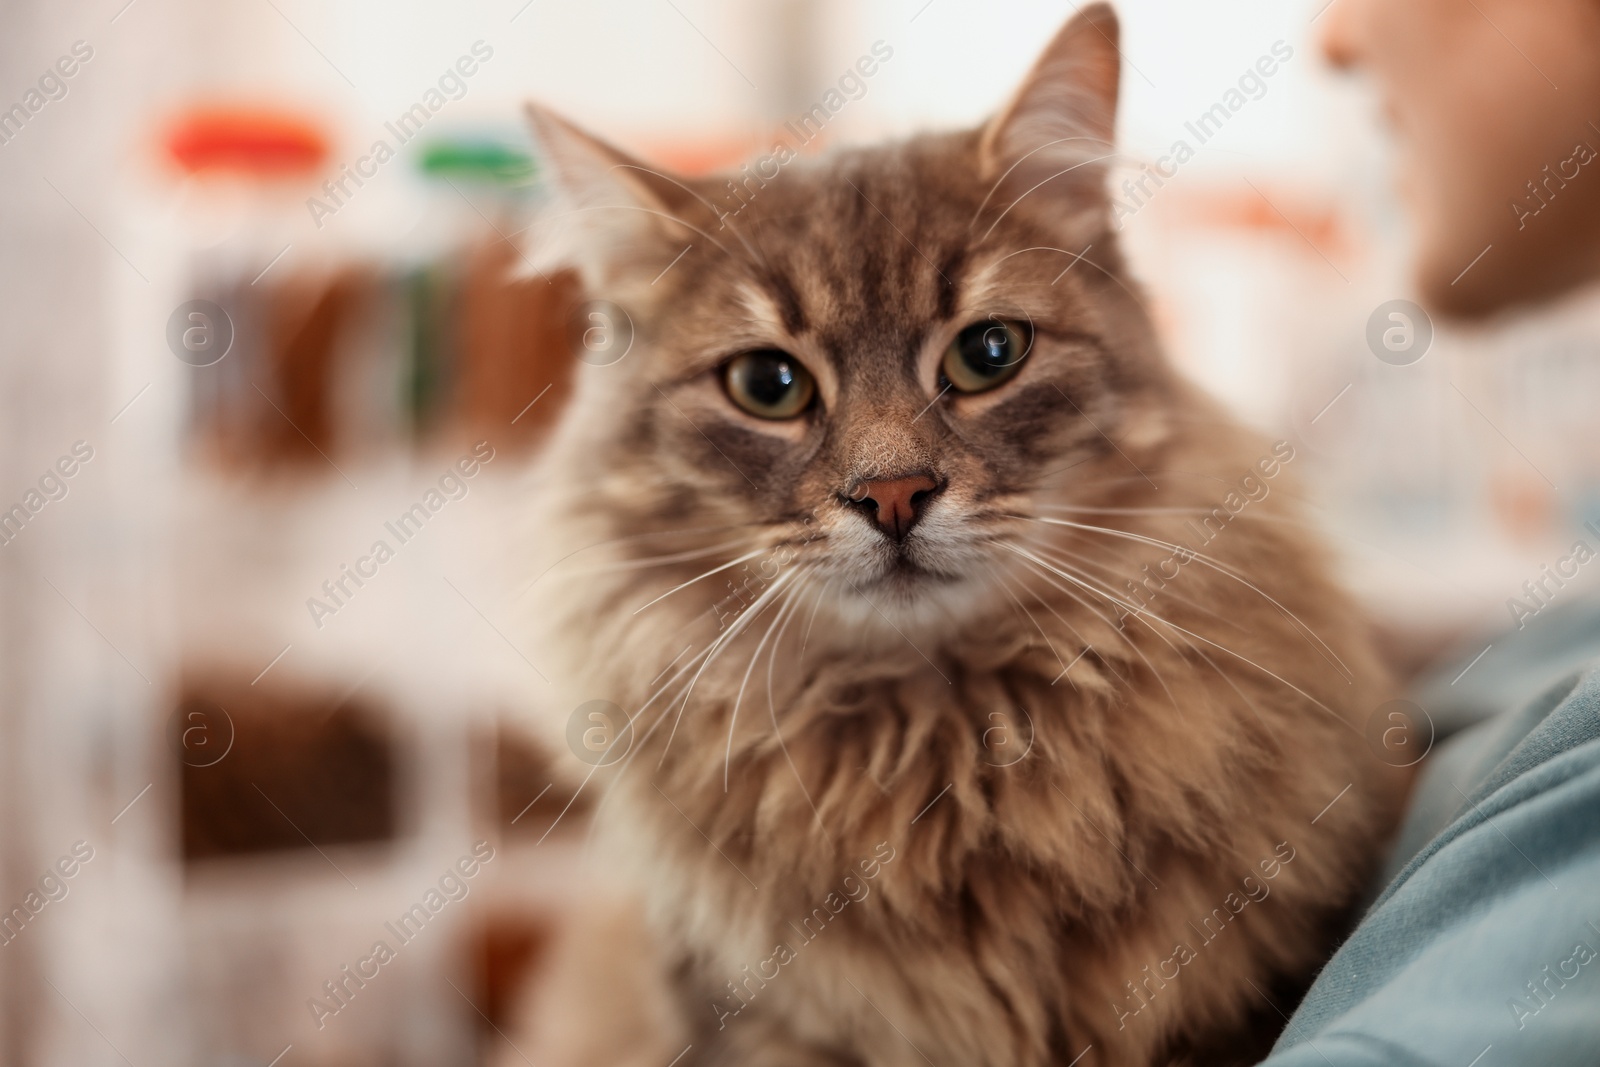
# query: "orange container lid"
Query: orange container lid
253,141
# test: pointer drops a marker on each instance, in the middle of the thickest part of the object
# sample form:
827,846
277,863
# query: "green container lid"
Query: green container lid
480,160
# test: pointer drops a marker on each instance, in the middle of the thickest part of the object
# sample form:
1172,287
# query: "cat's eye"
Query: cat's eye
769,383
985,354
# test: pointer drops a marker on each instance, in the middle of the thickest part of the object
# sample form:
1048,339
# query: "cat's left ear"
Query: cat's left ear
1054,139
611,213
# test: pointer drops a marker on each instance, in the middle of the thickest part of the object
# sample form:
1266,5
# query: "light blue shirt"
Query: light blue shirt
1483,950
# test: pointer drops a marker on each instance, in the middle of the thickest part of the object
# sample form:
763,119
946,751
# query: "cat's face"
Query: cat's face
876,363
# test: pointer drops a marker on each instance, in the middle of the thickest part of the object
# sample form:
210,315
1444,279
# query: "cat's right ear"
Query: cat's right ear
610,214
1054,139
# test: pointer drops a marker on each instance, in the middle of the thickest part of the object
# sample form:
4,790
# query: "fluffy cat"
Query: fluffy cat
989,704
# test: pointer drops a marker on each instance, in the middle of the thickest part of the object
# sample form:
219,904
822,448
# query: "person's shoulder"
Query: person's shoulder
1494,672
1488,933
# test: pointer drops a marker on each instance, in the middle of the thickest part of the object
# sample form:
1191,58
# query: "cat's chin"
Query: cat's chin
911,597
903,574
905,582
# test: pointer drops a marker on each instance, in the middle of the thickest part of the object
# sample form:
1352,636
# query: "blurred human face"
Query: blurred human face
1483,95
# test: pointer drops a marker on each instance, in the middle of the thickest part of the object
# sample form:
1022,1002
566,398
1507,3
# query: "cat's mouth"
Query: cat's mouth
909,565
903,568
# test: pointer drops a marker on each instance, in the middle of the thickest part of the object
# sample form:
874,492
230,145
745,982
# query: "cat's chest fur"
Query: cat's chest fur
1038,840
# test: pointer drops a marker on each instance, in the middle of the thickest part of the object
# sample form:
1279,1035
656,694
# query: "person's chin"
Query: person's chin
1460,265
1445,295
1481,273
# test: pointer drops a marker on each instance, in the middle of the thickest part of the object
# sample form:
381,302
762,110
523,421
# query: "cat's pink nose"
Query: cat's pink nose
897,503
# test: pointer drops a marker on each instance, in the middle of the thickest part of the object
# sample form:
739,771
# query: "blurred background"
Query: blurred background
242,344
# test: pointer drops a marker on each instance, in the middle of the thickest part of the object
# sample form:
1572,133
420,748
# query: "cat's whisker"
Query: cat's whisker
747,557
1121,633
1129,641
647,562
1197,509
1168,472
703,659
754,611
1209,662
1099,589
1050,550
772,711
1039,248
698,660
630,538
1220,568
1048,556
1044,181
1135,609
1198,651
1050,482
638,744
1017,163
724,217
1046,571
1090,608
1053,554
755,657
649,211
812,621
1108,510
1138,298
697,663
1005,587
1252,515
639,741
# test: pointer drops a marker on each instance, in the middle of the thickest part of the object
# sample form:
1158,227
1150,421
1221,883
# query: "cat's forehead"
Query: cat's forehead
863,247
